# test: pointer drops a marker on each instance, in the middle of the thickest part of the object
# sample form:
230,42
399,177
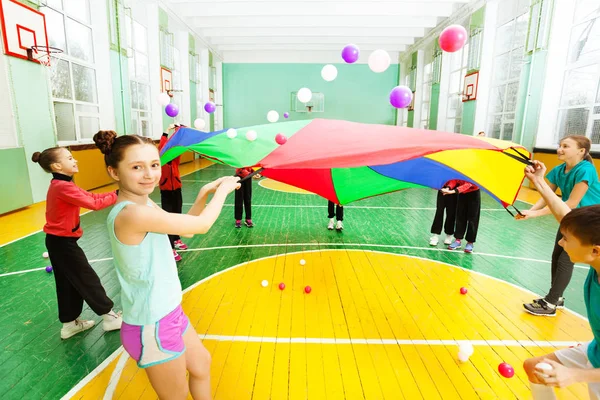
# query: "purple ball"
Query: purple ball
350,53
172,110
210,107
49,268
400,96
286,115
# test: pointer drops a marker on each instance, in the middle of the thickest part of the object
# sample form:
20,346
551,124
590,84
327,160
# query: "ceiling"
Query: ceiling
310,30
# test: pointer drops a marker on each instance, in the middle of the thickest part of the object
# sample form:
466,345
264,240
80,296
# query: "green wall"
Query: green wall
122,103
534,66
433,106
17,180
33,118
357,94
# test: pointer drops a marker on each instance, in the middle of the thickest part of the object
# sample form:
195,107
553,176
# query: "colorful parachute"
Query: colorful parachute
347,161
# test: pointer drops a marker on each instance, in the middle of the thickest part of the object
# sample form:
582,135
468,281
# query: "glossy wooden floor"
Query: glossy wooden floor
381,322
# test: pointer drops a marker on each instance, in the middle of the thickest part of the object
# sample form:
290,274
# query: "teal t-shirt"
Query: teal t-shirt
583,171
591,295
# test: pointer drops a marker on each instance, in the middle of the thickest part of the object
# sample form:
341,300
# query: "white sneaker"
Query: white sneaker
74,327
433,241
331,224
339,226
448,239
112,321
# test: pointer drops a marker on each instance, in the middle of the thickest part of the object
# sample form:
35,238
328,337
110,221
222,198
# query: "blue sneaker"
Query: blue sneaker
455,245
469,248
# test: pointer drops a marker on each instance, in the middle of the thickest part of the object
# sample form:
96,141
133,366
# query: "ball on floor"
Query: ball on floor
265,283
49,268
506,370
281,286
45,254
302,262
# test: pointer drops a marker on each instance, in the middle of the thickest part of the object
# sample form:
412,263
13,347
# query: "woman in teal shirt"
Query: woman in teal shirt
577,180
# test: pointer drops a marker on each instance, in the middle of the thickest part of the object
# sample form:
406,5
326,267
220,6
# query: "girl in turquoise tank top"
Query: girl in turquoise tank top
577,180
155,331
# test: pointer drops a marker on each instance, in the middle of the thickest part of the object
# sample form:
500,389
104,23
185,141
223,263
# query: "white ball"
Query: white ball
329,72
379,60
302,262
45,254
304,95
462,357
231,133
251,135
163,99
466,348
544,367
265,283
199,124
272,116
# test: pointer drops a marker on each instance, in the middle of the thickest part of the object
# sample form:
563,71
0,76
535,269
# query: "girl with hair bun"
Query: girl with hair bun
76,280
156,332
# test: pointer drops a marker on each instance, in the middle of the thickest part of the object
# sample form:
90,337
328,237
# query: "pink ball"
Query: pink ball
281,286
453,38
307,289
463,290
280,138
506,370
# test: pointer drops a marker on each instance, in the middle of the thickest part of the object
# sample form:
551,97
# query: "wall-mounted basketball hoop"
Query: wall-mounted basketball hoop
43,54
171,92
309,108
470,87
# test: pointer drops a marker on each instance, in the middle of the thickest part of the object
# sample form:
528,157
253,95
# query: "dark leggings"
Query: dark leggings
445,203
562,270
172,202
338,213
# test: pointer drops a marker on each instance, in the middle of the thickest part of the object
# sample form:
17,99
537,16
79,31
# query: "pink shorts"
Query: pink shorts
156,343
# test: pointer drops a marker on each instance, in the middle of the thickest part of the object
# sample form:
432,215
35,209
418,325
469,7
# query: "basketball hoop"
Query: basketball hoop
309,108
43,54
171,91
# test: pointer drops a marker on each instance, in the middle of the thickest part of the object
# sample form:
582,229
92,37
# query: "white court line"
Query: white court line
115,376
390,246
98,369
258,339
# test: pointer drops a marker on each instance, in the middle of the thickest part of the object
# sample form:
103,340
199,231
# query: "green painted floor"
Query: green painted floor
35,363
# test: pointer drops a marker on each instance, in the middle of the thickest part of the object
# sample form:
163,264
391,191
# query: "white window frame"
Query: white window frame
72,60
505,117
426,94
456,120
593,106
139,115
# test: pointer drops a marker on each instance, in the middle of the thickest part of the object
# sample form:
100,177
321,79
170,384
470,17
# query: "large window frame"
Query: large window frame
579,107
509,53
77,109
459,62
139,77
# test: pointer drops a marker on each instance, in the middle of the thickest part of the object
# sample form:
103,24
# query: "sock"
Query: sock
541,392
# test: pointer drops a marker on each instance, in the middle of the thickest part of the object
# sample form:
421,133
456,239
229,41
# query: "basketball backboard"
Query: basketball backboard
470,87
166,78
22,27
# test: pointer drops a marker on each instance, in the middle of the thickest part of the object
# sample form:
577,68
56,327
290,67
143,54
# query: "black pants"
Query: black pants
445,203
335,210
243,200
76,281
562,270
467,215
172,201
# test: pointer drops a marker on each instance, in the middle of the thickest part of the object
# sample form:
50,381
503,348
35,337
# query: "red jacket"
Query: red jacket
243,172
170,178
461,186
63,202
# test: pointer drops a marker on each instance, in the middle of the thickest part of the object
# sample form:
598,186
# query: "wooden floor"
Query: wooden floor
382,321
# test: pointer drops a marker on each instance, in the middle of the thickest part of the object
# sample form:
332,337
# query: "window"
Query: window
509,51
458,70
426,96
139,77
196,77
167,48
579,109
74,89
